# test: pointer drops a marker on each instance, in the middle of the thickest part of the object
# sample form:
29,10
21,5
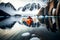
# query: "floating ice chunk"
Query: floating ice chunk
35,38
26,34
33,35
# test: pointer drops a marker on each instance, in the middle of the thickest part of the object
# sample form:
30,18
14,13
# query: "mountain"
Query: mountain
35,6
8,8
30,6
7,5
2,13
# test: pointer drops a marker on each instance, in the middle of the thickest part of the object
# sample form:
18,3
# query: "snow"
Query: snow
20,3
53,10
28,13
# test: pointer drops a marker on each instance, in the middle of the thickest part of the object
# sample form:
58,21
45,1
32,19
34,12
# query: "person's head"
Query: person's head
29,17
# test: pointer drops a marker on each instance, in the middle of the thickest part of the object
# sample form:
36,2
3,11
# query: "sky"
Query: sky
21,3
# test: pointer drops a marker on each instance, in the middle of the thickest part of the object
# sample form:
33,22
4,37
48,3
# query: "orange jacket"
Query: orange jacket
29,21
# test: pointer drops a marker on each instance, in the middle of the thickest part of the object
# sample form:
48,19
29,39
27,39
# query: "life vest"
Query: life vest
29,21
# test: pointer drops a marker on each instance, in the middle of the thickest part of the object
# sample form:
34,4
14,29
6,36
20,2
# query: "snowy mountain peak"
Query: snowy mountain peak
7,5
30,6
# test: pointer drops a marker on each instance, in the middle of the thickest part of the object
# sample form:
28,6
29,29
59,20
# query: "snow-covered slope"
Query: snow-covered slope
8,8
29,9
